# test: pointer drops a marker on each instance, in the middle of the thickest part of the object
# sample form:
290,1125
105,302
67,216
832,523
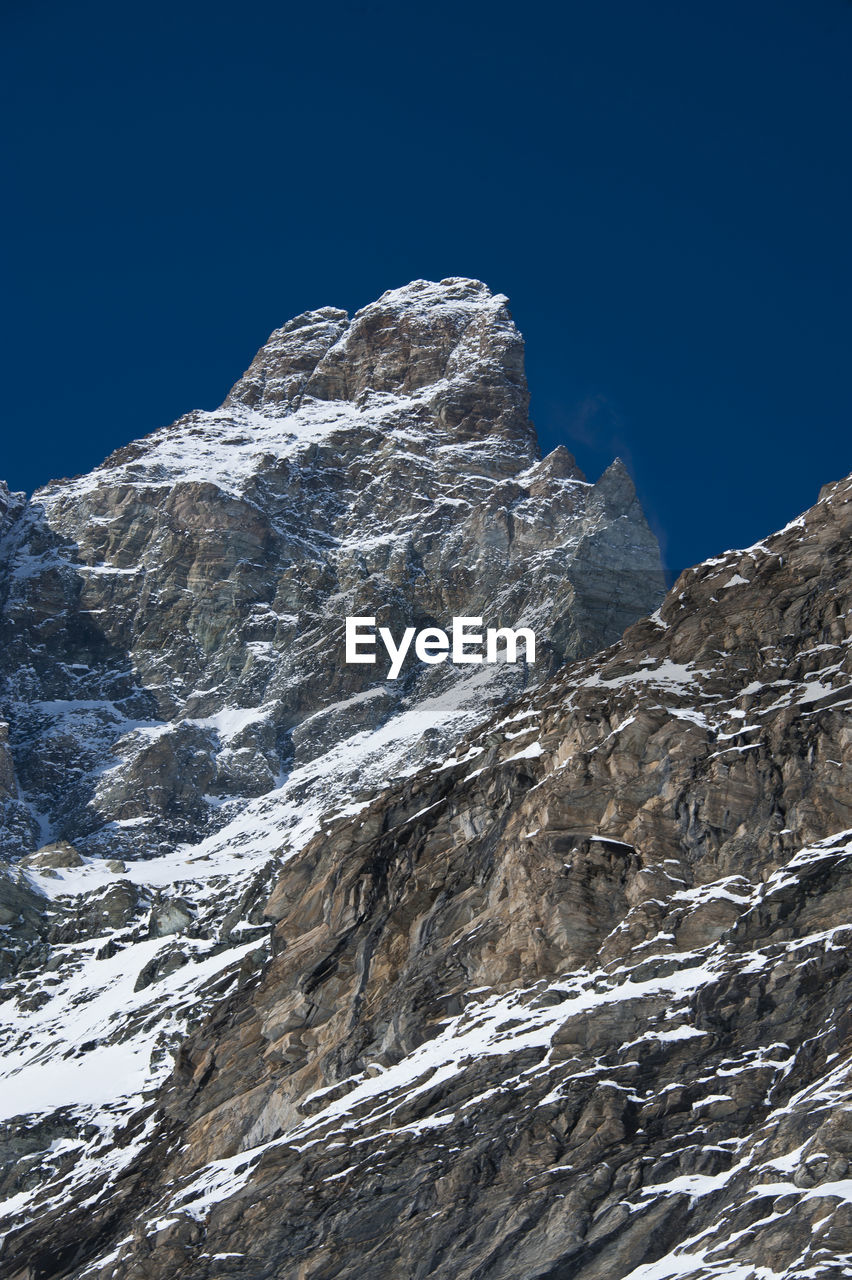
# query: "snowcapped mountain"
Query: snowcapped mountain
572,1002
176,718
172,623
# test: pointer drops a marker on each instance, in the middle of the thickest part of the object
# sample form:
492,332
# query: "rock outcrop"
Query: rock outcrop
571,1003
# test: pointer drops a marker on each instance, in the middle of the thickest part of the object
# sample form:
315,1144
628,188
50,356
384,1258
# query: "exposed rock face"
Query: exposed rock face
172,624
60,854
8,785
574,1003
22,923
11,506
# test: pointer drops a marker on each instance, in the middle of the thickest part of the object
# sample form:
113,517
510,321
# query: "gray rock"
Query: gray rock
8,785
173,916
22,919
160,966
58,854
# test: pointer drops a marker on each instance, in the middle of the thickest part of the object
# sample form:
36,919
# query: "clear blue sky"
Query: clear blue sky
662,187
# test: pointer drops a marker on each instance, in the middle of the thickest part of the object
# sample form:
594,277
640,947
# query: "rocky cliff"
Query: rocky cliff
176,720
573,1002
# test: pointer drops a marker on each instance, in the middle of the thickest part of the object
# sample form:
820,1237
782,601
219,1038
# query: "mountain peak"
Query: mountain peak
275,380
430,293
454,337
11,504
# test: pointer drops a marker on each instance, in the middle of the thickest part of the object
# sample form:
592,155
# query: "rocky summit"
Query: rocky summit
526,974
172,623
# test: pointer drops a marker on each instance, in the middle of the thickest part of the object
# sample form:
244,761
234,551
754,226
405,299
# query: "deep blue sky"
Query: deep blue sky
662,187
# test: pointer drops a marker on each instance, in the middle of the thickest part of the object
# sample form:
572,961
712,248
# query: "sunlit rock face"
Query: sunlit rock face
172,624
572,1002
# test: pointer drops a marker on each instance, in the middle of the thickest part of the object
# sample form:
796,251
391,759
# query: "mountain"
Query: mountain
172,623
177,721
573,1002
